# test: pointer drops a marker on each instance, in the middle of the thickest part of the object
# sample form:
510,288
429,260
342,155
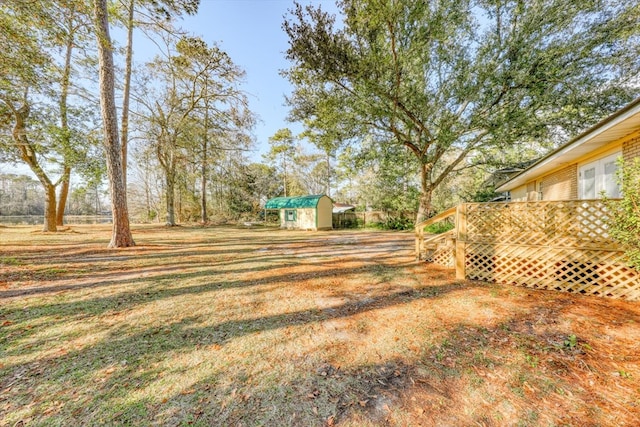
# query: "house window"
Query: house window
598,177
540,192
290,215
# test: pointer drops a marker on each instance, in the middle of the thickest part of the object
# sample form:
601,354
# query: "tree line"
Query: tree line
406,105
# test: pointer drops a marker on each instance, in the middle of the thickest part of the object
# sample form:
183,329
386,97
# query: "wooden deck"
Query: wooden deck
558,245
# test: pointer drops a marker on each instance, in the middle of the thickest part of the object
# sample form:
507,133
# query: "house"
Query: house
311,212
555,237
585,167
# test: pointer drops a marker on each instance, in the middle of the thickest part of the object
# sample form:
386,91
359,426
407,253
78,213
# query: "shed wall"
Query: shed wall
325,214
305,219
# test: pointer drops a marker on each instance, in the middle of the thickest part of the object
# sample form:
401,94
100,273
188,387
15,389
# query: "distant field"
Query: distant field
244,327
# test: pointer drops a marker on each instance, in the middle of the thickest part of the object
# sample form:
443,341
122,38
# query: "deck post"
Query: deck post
419,232
461,241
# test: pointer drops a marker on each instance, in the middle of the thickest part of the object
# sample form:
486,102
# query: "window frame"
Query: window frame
600,183
290,213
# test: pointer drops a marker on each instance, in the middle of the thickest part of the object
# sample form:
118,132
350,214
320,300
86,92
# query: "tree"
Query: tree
31,79
121,231
281,155
156,12
73,34
450,79
624,218
198,98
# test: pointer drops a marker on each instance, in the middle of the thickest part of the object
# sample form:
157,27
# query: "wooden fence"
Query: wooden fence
560,245
345,220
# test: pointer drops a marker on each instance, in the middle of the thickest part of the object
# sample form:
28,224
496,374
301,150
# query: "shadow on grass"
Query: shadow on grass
134,351
161,289
455,382
446,377
283,255
441,375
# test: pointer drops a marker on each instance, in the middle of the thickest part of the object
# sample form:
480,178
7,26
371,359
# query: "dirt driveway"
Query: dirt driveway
230,326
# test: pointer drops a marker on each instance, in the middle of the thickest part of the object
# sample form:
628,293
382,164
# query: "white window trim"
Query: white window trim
599,173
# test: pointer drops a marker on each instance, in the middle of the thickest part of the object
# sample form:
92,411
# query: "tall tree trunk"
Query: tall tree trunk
64,194
126,94
205,148
171,194
64,126
49,207
121,232
28,155
284,174
203,183
425,208
328,175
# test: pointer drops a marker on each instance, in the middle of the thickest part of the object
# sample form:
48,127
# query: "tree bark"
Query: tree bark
49,207
205,148
126,94
64,126
64,194
328,175
203,184
425,208
171,192
121,232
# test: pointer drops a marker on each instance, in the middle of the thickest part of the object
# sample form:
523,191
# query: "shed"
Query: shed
342,208
311,212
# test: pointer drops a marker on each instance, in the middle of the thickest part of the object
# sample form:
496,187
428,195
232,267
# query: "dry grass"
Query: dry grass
226,326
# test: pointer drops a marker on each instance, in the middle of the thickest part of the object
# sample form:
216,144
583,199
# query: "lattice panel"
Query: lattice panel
576,223
548,245
443,255
590,272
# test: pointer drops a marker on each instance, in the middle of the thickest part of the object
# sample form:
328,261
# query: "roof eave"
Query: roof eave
615,119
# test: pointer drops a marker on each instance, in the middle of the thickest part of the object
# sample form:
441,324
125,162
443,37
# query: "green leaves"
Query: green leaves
624,219
448,78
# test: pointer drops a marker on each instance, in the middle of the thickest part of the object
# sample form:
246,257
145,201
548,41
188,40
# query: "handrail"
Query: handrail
435,237
419,228
442,215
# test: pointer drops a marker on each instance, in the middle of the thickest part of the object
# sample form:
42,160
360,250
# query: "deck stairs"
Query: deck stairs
436,248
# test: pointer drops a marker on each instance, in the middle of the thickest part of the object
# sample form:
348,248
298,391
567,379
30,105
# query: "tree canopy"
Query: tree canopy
453,80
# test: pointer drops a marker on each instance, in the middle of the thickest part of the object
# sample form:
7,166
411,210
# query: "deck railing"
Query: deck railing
419,228
560,245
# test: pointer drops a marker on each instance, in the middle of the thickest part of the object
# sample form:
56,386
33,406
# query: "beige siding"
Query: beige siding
560,185
305,219
325,214
532,191
519,194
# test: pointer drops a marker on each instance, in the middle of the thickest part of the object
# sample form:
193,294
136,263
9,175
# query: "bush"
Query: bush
439,227
624,215
398,224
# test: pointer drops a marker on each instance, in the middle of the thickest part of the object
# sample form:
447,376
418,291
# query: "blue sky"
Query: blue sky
250,31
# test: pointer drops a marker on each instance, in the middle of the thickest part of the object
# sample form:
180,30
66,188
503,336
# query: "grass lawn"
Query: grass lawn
247,327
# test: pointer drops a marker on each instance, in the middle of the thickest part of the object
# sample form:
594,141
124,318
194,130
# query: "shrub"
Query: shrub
624,215
439,227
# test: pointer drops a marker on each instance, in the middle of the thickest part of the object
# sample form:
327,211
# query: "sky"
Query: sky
250,31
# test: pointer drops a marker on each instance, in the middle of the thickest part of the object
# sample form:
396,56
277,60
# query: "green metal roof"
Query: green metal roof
293,202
